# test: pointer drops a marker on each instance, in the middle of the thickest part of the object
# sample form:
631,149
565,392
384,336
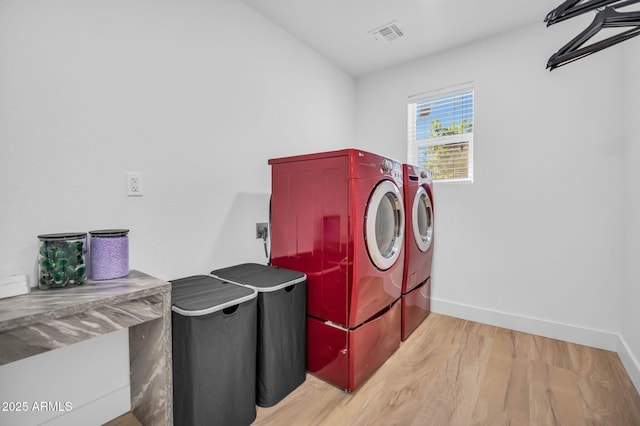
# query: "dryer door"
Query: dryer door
422,219
384,225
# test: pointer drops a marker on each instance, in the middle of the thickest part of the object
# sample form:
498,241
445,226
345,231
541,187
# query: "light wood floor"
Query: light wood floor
456,372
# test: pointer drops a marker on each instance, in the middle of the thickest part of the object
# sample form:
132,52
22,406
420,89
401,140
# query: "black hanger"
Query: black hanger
571,8
607,18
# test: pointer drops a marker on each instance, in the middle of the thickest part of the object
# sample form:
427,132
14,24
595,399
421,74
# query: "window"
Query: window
441,133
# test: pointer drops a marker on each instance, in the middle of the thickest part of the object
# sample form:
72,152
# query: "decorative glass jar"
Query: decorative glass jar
109,253
61,260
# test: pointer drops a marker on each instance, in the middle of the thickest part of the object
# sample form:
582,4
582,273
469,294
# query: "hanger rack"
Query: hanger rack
606,17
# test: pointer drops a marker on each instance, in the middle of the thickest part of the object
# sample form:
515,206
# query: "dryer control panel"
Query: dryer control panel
392,168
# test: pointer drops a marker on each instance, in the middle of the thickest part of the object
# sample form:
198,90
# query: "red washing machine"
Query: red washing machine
339,218
416,283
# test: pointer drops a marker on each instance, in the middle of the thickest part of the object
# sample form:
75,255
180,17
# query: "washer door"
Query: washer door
384,225
422,219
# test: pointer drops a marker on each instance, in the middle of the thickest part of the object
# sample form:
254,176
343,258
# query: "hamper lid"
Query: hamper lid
261,277
106,233
202,295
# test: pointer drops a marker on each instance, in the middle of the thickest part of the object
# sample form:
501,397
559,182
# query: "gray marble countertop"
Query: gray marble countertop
38,305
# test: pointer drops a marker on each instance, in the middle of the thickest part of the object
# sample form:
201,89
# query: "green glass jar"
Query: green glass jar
61,260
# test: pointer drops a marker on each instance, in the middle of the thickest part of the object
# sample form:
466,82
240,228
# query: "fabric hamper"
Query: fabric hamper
214,326
281,345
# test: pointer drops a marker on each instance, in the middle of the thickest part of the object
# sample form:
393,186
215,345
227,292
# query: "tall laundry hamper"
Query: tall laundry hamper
282,308
214,326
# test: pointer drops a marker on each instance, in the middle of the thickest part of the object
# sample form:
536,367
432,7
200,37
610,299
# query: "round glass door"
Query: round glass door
384,225
422,219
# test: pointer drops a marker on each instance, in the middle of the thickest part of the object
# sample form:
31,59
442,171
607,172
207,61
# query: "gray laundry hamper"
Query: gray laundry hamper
282,327
214,326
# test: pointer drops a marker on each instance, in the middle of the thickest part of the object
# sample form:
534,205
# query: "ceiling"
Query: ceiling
340,29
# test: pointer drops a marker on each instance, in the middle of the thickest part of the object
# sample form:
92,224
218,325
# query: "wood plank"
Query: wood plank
504,393
554,395
127,419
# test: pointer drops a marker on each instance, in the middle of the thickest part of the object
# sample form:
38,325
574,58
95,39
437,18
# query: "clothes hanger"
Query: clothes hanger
571,8
609,17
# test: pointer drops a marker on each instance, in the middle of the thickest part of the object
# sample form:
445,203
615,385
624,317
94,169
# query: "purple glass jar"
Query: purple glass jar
109,253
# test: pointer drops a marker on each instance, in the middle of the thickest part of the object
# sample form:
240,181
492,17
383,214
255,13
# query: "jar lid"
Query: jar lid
109,233
63,236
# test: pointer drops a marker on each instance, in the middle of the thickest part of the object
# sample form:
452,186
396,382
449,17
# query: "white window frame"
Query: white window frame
413,144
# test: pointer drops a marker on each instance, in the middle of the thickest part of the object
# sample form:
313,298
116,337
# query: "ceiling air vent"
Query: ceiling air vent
387,33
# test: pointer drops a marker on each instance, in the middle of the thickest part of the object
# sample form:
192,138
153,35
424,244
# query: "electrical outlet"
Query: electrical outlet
262,230
134,184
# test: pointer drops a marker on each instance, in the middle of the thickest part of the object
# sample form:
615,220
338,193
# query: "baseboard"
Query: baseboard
540,327
629,361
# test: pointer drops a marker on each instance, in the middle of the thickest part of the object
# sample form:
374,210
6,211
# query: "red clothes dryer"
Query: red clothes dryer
339,217
416,282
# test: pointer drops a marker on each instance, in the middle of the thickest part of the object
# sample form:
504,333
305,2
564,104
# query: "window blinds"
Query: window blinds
440,133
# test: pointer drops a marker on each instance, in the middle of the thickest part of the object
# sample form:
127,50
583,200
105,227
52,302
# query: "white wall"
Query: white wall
630,332
536,242
196,95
